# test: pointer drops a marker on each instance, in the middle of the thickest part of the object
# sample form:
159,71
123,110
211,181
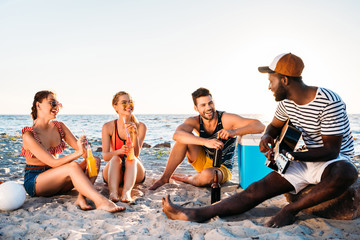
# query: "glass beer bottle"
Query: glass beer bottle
215,189
217,158
91,163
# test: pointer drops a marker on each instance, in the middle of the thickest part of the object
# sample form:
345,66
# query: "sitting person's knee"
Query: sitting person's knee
129,163
344,173
115,159
208,175
350,175
74,165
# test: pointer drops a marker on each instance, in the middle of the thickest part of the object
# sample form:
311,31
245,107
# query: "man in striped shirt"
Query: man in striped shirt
321,116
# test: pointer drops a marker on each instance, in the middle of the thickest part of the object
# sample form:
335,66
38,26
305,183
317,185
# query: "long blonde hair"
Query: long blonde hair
115,102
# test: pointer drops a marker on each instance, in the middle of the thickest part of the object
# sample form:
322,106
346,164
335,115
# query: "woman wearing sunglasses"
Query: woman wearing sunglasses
120,169
45,173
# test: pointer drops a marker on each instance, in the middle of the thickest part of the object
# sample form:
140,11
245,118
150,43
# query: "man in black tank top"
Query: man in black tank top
215,130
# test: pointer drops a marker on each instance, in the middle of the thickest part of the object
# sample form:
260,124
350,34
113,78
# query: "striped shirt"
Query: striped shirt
229,145
325,115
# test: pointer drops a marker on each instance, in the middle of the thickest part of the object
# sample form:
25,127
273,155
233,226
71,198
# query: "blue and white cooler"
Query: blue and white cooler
251,161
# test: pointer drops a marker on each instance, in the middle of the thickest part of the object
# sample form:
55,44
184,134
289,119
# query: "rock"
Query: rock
145,145
99,149
163,145
344,207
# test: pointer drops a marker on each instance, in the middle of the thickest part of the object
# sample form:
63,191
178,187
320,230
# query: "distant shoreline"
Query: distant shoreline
138,114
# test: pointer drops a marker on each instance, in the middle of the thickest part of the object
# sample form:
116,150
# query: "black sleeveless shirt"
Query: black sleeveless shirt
229,145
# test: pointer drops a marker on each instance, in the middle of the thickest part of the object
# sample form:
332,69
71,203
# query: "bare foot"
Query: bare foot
114,197
183,178
173,211
158,184
176,212
109,206
281,219
126,197
81,202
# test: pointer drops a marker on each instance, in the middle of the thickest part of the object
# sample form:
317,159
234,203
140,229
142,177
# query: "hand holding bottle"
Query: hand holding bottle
130,155
226,134
122,151
131,128
81,146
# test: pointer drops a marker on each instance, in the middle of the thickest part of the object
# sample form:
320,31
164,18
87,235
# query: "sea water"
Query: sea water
160,128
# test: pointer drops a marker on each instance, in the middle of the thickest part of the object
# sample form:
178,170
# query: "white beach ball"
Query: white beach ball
12,195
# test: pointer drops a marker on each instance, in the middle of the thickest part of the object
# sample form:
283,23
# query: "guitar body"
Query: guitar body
288,139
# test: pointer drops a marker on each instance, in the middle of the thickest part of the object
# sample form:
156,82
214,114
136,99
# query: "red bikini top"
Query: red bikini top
52,150
119,142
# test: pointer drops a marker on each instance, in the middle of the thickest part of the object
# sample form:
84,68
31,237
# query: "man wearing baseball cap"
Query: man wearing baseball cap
320,115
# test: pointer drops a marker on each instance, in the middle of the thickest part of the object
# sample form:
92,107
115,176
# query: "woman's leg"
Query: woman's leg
113,175
129,179
54,180
134,173
81,201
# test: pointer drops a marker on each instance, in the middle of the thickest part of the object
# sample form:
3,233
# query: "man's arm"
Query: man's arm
332,120
330,150
183,134
235,125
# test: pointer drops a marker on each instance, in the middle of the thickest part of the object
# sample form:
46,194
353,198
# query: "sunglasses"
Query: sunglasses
54,103
131,103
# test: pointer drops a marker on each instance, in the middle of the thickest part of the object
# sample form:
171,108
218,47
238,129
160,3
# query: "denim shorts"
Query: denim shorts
30,178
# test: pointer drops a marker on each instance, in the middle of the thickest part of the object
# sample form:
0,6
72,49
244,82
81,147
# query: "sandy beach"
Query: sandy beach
58,218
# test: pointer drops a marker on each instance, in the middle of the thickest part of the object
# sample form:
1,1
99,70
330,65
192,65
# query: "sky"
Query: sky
161,51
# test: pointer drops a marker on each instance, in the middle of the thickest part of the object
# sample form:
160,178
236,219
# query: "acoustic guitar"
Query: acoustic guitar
287,140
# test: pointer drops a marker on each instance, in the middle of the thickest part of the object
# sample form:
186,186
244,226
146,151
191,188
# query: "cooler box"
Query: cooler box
251,161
